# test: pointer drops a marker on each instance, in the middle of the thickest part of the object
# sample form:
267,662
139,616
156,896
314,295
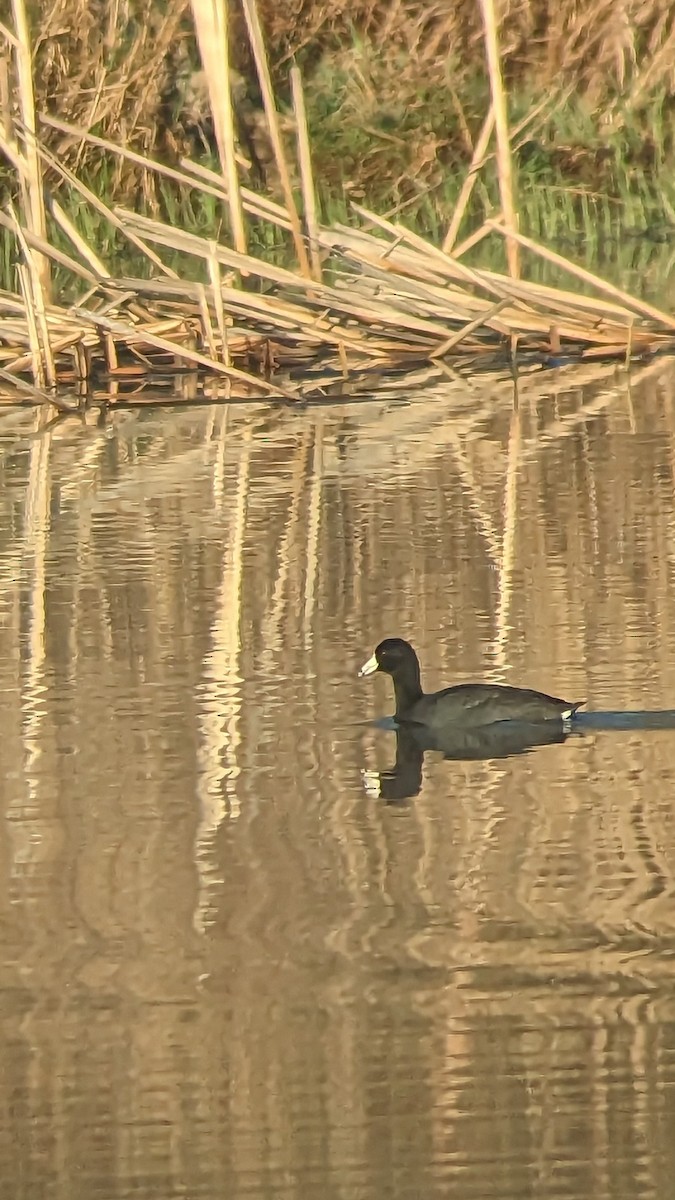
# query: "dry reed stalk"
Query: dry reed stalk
9,147
257,41
320,295
633,305
502,132
209,182
286,315
31,392
83,248
13,41
254,202
477,160
43,247
604,47
59,342
559,302
395,298
217,290
473,239
306,173
102,208
211,18
522,317
110,352
534,295
36,360
81,134
434,258
206,321
30,175
131,335
485,318
31,286
43,327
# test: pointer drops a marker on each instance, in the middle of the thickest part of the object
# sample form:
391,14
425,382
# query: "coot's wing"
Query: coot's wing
484,703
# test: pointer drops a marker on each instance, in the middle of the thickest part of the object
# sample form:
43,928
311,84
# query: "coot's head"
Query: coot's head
391,656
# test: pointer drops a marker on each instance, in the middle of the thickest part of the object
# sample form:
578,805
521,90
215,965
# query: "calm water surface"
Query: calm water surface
229,967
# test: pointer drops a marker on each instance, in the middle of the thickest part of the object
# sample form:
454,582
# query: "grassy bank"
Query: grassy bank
396,95
194,217
389,134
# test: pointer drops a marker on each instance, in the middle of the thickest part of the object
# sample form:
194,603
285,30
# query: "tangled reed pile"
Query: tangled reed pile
351,304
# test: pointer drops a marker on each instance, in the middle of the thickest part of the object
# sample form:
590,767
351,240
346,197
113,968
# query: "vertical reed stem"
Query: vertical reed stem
257,41
502,131
306,173
211,18
471,177
31,176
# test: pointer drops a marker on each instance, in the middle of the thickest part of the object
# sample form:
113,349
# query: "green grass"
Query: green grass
380,137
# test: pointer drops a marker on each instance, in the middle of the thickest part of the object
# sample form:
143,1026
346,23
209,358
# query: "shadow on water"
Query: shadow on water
505,739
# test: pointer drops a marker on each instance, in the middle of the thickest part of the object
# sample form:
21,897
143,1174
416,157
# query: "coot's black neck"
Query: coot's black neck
407,687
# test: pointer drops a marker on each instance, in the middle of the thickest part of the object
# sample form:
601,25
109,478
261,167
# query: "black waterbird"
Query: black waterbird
466,704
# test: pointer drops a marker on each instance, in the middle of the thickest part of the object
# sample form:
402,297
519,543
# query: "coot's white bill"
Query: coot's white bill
369,667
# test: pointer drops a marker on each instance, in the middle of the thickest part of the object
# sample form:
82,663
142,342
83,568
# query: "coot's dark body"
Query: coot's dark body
467,704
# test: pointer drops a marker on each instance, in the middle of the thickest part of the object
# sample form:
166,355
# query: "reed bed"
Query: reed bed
352,304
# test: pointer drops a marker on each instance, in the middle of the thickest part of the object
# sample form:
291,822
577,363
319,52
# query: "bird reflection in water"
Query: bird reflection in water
500,740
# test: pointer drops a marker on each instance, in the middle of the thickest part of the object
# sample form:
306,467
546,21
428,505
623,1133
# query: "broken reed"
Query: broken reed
361,302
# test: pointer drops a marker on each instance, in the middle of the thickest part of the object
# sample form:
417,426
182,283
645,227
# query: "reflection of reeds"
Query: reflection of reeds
340,931
359,301
510,526
35,551
221,701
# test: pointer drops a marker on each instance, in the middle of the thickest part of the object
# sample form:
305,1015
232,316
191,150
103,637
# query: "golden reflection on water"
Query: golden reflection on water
229,971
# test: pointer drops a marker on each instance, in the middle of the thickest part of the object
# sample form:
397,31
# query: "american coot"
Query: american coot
467,704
